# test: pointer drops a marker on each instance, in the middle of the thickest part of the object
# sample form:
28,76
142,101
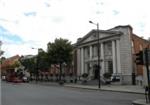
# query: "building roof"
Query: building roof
28,56
10,61
141,38
109,31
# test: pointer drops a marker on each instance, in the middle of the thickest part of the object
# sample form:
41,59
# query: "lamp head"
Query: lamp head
90,22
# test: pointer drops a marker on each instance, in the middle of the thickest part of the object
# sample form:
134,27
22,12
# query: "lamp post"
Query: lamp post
98,50
147,61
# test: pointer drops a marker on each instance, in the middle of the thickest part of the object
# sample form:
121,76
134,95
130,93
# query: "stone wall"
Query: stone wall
125,54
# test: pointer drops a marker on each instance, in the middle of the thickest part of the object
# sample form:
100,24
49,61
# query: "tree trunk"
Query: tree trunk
60,74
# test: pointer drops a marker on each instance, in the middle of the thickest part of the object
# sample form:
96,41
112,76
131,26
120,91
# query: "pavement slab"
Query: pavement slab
140,102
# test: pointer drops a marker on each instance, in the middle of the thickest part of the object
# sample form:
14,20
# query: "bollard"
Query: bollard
146,94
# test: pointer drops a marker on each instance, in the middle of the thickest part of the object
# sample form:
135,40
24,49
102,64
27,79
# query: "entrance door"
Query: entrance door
96,71
110,67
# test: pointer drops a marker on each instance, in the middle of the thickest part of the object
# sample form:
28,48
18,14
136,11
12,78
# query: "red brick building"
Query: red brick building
139,44
8,65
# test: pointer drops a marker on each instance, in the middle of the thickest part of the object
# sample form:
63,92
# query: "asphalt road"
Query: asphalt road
33,94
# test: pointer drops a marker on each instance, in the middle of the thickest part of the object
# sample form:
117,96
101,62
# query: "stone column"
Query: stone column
78,62
114,56
118,56
90,63
102,58
91,52
82,61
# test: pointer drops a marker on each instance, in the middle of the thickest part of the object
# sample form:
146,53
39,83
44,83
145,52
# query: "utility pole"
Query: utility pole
98,59
147,62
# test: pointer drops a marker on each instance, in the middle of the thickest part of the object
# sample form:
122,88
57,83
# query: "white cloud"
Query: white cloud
41,21
20,49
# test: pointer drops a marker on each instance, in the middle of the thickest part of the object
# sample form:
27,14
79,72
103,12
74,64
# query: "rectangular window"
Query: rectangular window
86,52
108,48
95,50
109,66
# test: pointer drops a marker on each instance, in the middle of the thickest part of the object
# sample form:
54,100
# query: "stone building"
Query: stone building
115,50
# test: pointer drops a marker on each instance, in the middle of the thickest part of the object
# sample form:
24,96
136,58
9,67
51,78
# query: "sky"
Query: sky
27,24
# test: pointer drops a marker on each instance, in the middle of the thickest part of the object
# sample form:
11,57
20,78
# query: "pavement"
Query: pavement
115,88
140,102
111,87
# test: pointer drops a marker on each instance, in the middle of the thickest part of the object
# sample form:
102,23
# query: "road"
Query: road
33,94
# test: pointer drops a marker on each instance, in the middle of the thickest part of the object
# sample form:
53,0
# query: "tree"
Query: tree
42,58
29,64
1,52
16,64
60,52
2,59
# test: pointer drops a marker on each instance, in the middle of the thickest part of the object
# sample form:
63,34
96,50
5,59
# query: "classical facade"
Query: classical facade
115,50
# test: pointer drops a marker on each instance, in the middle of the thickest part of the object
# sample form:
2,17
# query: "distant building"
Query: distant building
8,65
117,48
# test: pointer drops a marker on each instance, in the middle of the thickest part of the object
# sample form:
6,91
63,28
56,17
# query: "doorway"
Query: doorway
96,71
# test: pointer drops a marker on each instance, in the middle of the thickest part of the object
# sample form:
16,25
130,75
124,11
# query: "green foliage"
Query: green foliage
16,64
60,51
84,75
29,63
107,75
1,52
43,62
2,59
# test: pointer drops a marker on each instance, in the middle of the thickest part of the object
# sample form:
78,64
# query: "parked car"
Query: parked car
115,78
3,77
107,78
25,79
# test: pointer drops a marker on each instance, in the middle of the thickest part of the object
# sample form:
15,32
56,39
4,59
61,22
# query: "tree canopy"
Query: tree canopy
42,60
29,63
60,51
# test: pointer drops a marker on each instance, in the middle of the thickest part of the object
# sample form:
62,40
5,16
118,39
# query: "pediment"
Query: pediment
93,35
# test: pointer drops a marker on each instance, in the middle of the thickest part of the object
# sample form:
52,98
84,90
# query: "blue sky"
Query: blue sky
34,23
9,37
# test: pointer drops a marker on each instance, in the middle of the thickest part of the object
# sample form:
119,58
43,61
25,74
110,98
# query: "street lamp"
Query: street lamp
147,63
98,45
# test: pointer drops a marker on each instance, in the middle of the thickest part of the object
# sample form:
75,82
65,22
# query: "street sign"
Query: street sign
148,54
